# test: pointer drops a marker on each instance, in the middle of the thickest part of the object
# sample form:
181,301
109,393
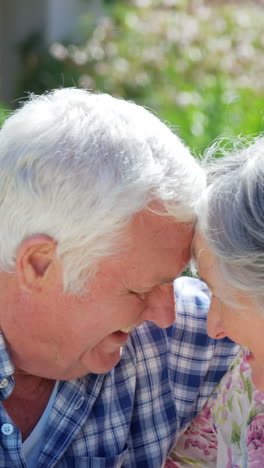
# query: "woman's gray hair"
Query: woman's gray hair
231,216
77,166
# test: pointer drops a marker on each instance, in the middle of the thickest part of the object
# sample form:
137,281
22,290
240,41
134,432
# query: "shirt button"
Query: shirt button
7,429
4,383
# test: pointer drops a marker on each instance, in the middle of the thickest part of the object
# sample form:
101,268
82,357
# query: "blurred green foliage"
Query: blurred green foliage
198,65
4,111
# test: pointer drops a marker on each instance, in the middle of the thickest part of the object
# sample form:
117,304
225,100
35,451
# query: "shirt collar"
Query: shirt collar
6,365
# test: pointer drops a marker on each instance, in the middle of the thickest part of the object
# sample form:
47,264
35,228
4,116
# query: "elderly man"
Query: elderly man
96,208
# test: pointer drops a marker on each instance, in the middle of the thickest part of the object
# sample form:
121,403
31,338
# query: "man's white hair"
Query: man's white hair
77,166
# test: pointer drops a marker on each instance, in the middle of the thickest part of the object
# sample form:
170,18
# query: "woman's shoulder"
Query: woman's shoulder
229,430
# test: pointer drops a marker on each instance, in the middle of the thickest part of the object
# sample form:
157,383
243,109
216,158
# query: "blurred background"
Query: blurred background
197,64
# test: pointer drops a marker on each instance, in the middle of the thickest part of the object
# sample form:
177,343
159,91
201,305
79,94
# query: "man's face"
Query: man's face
62,336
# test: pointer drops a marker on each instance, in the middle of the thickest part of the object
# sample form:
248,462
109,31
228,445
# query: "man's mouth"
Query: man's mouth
126,330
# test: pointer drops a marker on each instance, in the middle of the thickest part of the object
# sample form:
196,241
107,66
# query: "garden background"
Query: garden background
197,64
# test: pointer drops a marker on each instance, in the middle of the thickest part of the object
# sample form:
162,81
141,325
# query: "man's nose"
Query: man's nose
161,306
214,324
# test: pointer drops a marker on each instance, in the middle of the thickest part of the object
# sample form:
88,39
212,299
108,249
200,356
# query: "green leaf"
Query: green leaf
253,413
249,388
236,434
230,404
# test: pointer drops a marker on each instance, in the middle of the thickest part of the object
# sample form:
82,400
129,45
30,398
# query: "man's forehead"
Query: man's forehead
161,229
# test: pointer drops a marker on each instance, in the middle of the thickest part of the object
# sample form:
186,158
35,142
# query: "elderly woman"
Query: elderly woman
229,251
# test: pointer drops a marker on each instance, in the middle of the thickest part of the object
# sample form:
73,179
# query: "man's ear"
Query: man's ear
36,262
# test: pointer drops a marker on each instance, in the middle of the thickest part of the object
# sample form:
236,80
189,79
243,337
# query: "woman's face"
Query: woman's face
232,312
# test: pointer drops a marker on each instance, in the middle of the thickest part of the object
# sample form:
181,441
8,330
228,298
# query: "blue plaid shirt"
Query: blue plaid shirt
131,416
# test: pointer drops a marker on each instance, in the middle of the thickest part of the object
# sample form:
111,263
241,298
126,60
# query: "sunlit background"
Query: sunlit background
197,64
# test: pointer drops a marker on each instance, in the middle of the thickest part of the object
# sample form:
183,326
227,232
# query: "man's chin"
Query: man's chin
108,364
100,364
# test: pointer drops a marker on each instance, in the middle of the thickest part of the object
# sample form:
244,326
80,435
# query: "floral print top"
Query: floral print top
229,430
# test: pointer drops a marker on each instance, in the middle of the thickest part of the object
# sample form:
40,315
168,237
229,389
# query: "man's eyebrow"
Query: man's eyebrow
167,280
159,282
